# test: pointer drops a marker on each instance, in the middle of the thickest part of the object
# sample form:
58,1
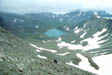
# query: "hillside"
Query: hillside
18,58
36,24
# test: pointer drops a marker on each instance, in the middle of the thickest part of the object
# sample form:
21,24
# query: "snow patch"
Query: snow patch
44,41
64,54
98,16
59,39
69,46
38,50
44,49
82,36
67,28
107,17
73,41
78,30
37,26
42,57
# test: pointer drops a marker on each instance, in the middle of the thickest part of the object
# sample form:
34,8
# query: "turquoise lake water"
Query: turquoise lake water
54,33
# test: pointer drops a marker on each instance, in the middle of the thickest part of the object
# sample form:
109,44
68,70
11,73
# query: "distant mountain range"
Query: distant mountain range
41,22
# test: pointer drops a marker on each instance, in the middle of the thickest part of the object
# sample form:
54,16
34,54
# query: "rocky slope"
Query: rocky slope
17,57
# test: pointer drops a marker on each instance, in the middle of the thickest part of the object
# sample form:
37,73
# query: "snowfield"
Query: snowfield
104,62
93,42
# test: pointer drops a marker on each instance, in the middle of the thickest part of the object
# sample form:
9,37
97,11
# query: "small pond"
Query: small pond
54,33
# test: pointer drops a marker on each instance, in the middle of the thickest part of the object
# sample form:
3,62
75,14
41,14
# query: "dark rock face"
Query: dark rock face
76,60
93,64
55,61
